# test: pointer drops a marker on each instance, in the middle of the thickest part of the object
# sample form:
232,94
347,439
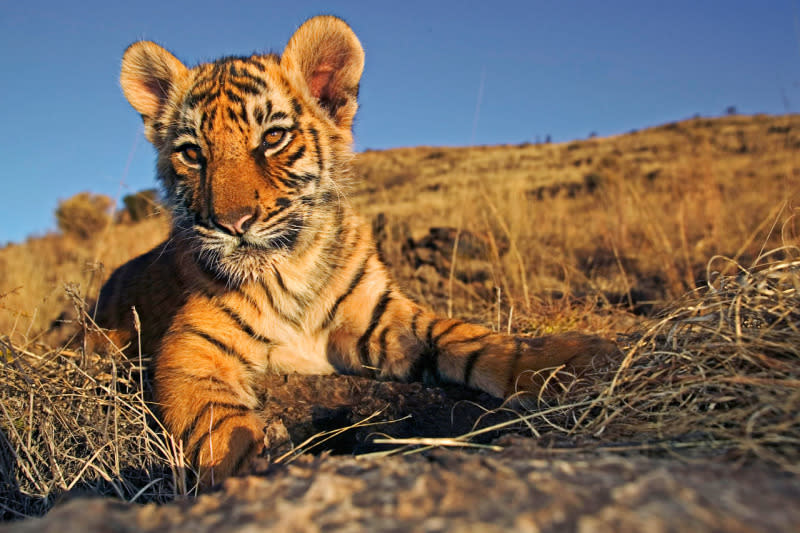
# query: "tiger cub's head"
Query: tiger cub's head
250,148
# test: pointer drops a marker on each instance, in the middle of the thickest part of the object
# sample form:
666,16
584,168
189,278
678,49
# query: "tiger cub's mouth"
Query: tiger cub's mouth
229,255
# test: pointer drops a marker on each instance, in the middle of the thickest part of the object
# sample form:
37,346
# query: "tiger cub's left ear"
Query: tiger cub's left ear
330,59
150,76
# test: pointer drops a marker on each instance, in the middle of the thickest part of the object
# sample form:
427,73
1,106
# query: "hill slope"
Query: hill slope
633,218
587,235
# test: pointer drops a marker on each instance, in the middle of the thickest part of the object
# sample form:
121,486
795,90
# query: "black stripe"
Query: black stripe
298,109
305,177
278,115
295,156
268,109
246,75
314,133
207,118
287,181
214,383
428,359
279,279
467,339
245,455
202,97
186,130
248,298
514,360
243,325
350,288
414,318
287,240
232,70
382,343
472,358
258,81
258,114
290,319
243,115
293,180
190,428
197,447
447,330
246,87
429,334
298,299
377,314
282,204
233,97
216,343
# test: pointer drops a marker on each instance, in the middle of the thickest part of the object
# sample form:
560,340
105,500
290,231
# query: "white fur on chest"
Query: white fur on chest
300,354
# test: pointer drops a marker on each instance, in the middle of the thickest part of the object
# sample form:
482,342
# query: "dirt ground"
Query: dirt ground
530,485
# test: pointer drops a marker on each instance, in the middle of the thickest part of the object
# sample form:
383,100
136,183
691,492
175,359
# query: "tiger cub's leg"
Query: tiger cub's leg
405,341
203,386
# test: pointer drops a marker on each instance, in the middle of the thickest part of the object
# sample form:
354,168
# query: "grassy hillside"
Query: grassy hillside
642,211
632,219
603,235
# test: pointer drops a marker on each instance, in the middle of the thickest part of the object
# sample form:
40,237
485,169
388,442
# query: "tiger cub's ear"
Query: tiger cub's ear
149,74
329,57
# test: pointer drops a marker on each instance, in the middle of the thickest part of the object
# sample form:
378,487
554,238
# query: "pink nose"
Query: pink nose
239,227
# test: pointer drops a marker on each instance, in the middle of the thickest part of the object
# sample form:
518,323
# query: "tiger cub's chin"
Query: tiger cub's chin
275,275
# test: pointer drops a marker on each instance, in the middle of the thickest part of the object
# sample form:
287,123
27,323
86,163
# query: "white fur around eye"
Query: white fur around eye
190,155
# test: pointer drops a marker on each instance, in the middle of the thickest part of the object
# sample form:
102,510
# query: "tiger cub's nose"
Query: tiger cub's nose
235,224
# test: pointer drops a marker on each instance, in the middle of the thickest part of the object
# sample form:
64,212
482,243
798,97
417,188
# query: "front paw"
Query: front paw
229,449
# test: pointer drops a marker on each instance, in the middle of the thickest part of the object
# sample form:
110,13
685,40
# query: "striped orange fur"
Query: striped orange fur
267,267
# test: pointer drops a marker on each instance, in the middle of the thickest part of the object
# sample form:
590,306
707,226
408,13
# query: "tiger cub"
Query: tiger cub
267,267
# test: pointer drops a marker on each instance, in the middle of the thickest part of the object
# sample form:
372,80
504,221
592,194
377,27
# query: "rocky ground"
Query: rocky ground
530,485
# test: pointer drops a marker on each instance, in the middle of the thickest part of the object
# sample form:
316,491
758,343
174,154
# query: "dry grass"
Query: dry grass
717,374
33,274
635,217
720,368
578,235
72,421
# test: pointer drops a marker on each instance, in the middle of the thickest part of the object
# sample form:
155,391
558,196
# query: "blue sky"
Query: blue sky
559,68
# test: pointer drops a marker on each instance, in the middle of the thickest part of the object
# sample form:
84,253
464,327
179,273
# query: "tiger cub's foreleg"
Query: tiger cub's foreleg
404,341
203,387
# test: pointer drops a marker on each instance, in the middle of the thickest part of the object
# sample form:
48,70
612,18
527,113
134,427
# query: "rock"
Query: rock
524,488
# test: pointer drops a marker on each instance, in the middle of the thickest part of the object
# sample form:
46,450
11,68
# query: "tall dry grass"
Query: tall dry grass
76,423
33,275
633,218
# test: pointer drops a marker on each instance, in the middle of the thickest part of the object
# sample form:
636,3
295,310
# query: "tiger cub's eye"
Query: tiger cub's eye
273,137
190,154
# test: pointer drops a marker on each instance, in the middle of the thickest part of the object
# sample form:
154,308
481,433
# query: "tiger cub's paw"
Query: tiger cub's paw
234,448
550,364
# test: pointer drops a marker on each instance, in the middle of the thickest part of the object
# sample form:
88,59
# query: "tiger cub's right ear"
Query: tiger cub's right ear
330,59
149,74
